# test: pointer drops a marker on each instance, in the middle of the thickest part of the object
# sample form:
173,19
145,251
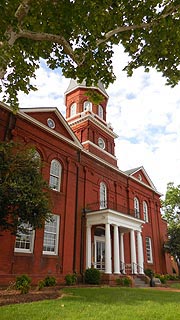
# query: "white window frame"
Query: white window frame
51,235
103,195
149,255
73,109
55,176
145,211
25,239
136,208
100,111
87,106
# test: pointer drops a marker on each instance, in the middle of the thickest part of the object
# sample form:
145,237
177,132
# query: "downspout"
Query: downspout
83,225
76,210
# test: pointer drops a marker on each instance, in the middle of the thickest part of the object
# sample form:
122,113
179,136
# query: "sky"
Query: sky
143,110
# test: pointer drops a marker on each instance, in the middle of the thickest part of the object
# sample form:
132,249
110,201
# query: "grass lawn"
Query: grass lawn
100,303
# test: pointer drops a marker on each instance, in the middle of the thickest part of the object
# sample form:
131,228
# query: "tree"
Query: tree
24,196
78,36
171,208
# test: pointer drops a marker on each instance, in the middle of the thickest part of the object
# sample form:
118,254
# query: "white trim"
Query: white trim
97,147
92,117
114,217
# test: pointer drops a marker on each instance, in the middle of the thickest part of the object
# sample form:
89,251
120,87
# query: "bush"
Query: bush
49,281
149,272
23,283
92,276
41,284
125,281
70,279
162,278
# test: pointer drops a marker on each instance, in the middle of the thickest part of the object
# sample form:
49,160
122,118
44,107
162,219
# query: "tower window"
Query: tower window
73,110
87,106
100,111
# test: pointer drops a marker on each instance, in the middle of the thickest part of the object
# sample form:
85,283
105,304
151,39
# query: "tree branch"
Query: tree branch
51,38
22,10
143,25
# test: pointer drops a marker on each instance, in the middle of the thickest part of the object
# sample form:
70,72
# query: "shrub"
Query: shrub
49,281
70,279
92,276
149,272
125,281
23,283
161,277
41,284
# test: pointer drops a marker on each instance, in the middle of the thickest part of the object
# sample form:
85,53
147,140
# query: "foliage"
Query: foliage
41,284
24,196
70,279
171,208
23,283
149,272
161,277
124,281
49,281
171,204
92,276
79,39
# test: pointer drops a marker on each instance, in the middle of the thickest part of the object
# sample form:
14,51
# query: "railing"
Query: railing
104,205
131,268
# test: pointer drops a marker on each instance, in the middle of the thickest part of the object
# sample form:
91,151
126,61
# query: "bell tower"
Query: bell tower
88,120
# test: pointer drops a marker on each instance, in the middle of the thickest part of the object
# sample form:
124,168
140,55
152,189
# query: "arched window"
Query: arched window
100,111
145,211
73,110
103,195
136,208
55,175
87,106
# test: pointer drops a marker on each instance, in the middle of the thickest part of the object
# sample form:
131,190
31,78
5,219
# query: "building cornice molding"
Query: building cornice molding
92,118
97,147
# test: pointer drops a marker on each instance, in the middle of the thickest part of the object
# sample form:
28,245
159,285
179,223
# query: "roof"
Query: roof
75,84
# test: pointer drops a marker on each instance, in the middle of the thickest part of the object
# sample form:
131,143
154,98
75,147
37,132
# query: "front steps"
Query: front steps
140,282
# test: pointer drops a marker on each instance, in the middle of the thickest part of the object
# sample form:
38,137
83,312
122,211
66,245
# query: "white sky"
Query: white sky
143,111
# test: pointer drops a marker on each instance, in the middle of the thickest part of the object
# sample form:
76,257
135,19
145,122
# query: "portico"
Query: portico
115,225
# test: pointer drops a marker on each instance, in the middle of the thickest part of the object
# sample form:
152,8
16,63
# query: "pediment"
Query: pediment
141,175
53,120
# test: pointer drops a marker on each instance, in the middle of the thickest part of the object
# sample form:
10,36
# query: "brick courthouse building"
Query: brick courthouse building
103,217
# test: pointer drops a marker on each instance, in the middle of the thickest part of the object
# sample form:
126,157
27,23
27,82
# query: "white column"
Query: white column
88,247
122,252
108,264
116,250
140,253
133,252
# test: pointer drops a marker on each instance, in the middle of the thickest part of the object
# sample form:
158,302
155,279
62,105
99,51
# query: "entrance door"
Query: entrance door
100,253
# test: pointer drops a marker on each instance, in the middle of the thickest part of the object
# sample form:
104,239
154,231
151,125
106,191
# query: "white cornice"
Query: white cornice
92,118
97,147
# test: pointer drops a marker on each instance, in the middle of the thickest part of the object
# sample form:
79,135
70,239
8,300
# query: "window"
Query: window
73,110
87,106
51,236
55,175
100,111
149,250
103,196
145,211
25,239
136,208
